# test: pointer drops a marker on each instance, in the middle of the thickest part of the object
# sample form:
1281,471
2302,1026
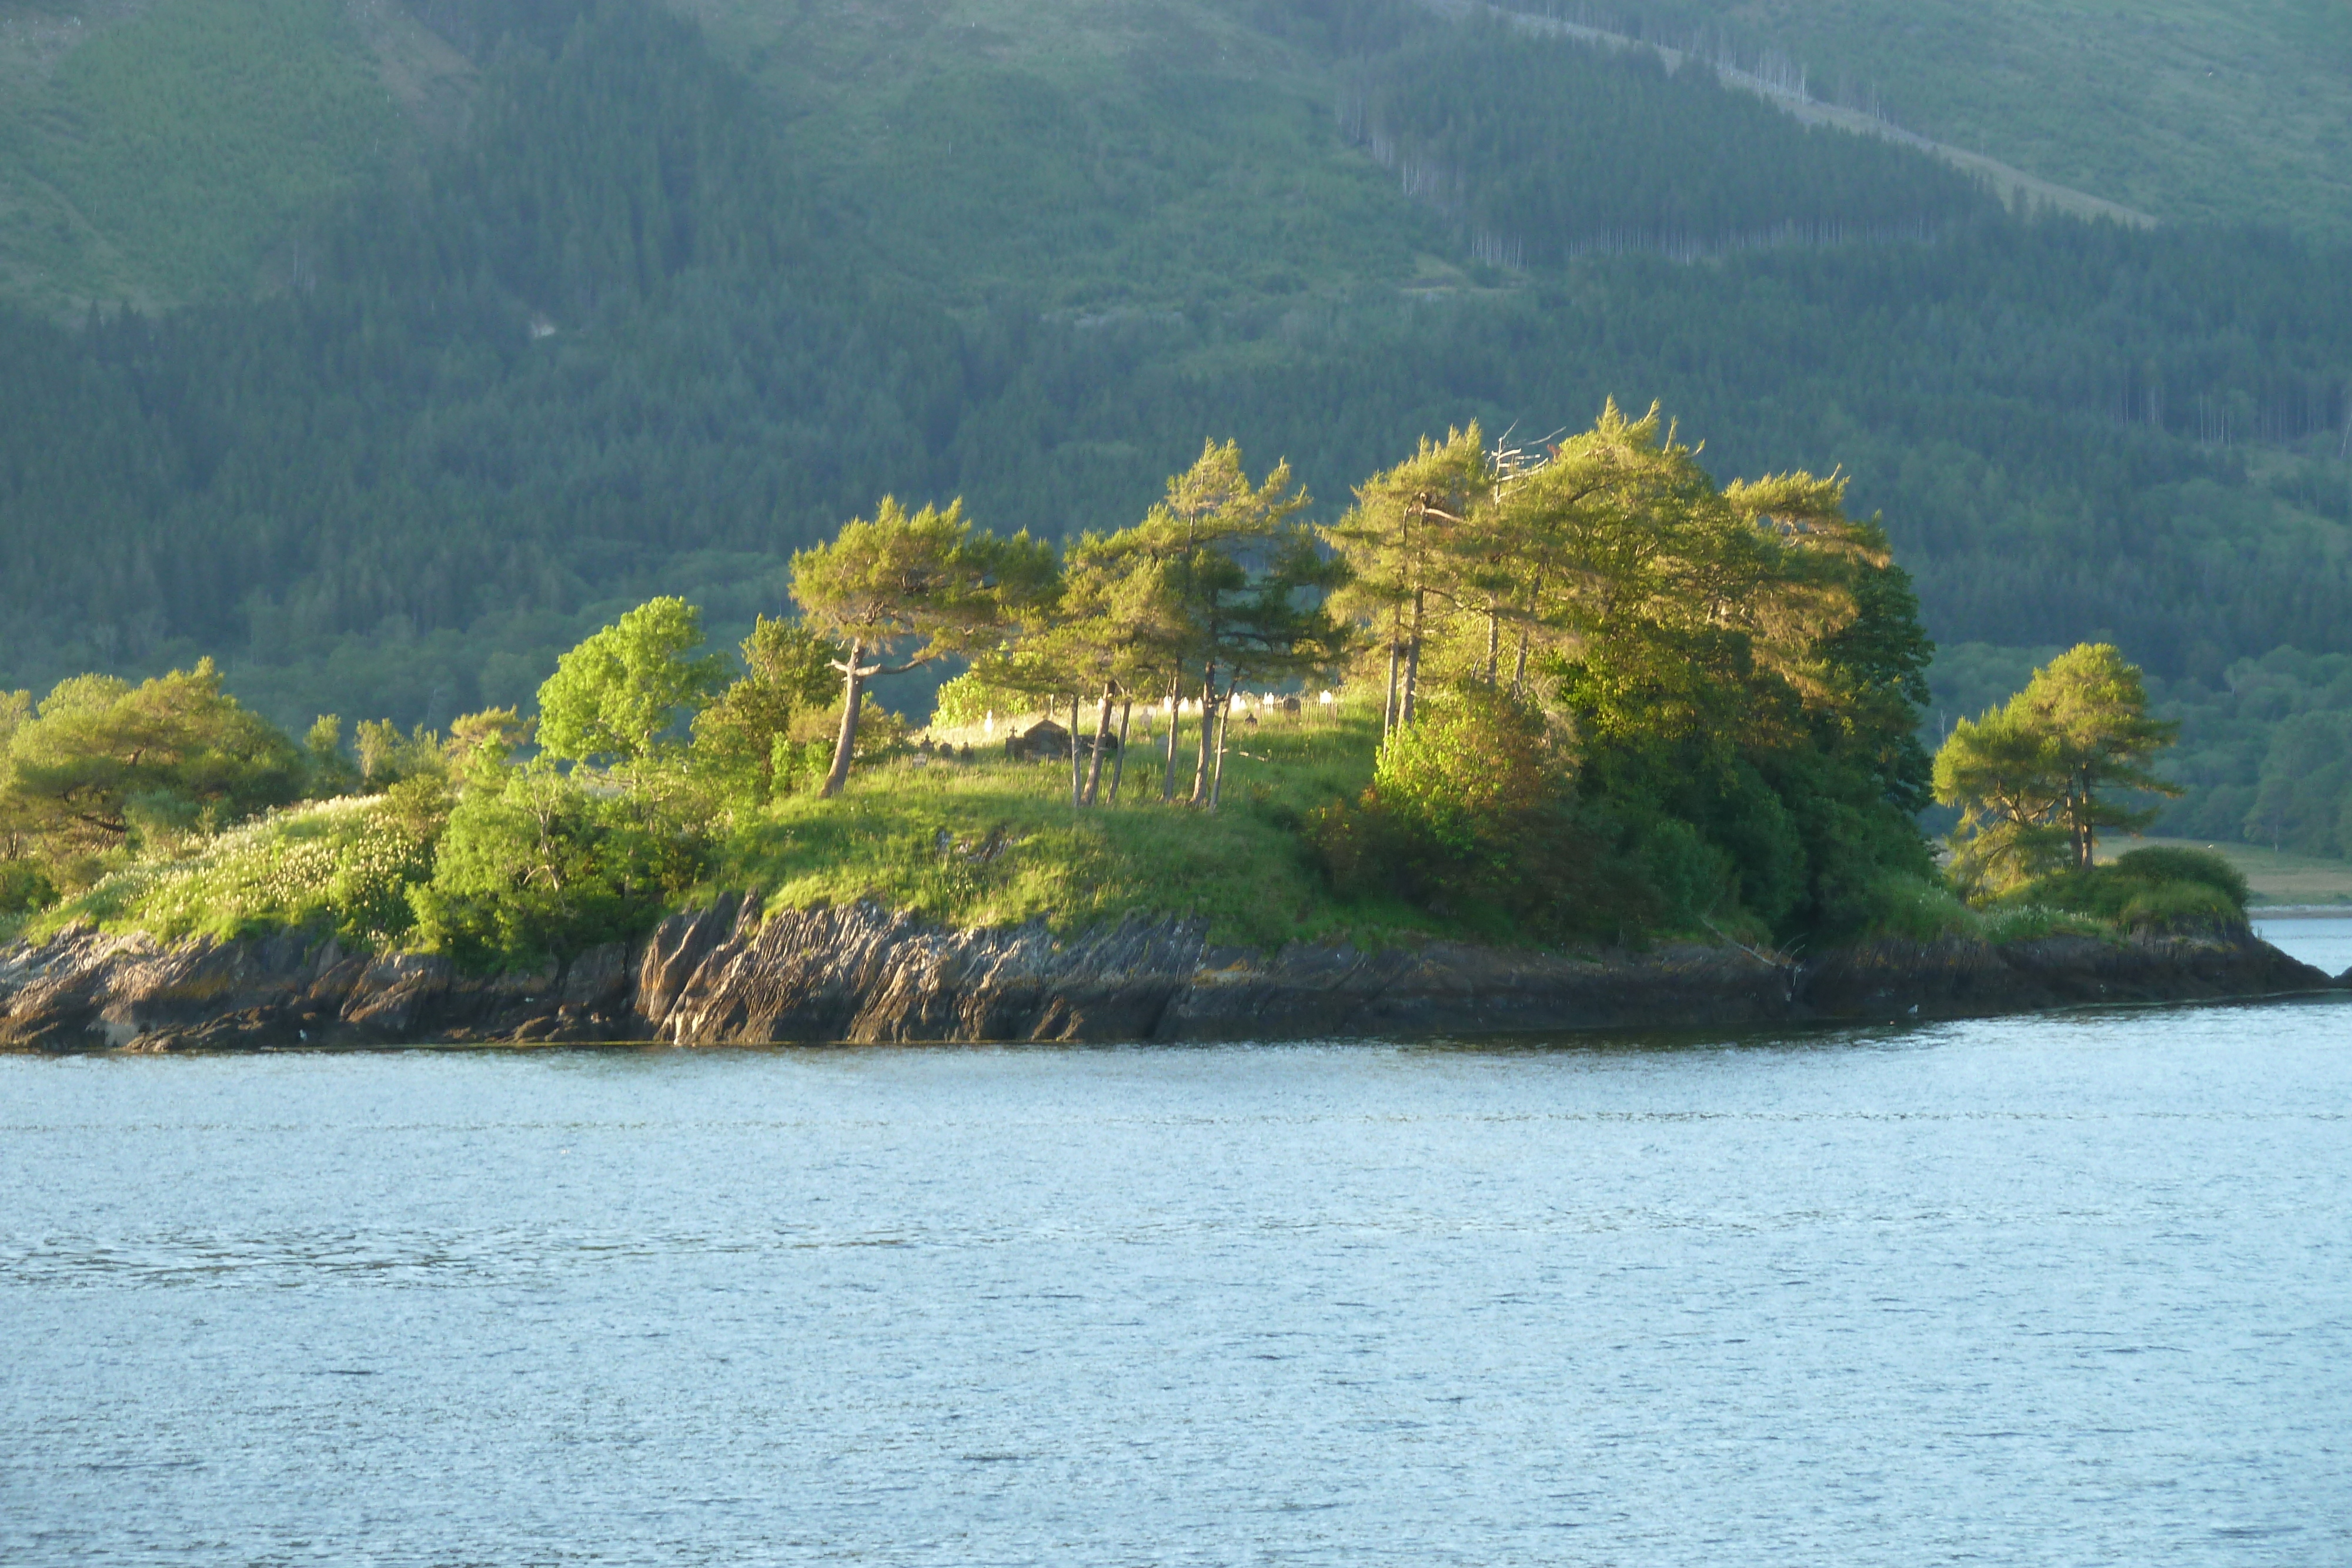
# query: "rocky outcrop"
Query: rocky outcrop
726,976
1973,980
83,990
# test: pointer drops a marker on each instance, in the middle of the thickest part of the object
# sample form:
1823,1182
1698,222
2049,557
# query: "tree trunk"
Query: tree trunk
1119,764
1208,714
1494,637
1224,719
1102,735
1388,708
1078,774
2087,832
1520,674
1175,722
853,685
1413,659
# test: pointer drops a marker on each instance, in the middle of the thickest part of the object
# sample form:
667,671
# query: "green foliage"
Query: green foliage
615,694
1737,665
2148,889
2199,866
330,772
1217,585
739,738
540,865
102,763
2037,778
386,757
25,886
971,697
1914,909
343,865
918,585
1476,763
925,583
2002,772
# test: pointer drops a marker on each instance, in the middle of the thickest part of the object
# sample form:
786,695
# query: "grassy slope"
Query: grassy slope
2234,109
1015,850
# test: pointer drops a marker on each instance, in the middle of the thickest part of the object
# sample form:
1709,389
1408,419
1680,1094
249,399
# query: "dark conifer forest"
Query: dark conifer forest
638,322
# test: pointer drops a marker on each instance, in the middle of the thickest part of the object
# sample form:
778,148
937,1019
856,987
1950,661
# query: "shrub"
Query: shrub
2179,906
25,886
1469,816
2201,866
2149,890
1914,909
968,699
1474,764
542,866
343,863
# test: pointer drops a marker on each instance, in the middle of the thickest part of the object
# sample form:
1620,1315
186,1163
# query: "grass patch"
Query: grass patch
995,843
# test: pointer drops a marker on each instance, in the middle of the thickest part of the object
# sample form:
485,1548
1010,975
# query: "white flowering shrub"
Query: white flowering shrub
346,864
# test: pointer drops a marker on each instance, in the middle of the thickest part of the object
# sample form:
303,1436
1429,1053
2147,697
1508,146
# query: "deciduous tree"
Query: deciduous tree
614,693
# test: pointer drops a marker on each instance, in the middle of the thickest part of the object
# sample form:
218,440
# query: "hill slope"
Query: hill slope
159,150
162,152
2230,110
670,302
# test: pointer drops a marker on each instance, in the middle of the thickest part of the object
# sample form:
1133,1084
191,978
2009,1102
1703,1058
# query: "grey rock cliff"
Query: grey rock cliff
726,976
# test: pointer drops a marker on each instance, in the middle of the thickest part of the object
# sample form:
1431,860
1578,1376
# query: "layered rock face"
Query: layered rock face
725,976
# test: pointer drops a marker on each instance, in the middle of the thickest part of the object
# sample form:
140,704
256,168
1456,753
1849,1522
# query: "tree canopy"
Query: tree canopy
615,694
915,587
2037,780
100,760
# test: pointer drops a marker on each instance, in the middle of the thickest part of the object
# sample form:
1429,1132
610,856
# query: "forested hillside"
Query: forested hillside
2204,110
676,294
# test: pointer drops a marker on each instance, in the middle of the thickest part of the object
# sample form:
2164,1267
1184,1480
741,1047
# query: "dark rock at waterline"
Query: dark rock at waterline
1973,980
81,989
725,976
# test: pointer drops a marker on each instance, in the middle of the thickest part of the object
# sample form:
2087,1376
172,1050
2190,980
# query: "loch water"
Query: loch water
2073,1289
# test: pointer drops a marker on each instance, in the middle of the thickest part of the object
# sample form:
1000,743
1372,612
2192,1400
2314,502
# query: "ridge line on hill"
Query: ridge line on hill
2007,179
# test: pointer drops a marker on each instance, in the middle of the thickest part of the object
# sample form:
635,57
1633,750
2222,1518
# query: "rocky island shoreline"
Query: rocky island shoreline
725,976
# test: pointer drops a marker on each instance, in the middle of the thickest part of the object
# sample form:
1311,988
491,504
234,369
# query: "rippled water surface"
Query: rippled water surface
2059,1291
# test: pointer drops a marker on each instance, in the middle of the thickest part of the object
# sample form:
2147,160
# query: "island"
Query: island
1521,741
